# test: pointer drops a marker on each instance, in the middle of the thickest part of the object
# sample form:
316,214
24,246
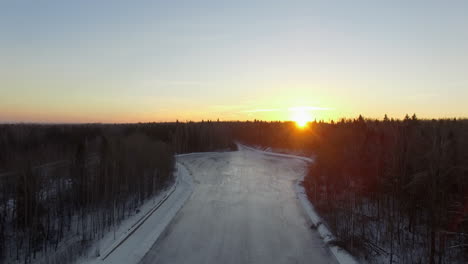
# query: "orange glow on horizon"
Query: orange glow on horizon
301,117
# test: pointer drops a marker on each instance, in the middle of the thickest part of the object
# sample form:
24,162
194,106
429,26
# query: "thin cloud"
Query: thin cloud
292,109
261,110
309,108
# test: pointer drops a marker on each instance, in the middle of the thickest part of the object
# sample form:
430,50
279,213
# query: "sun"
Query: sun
301,117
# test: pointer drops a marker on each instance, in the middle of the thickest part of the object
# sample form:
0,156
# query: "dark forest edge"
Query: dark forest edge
392,191
64,186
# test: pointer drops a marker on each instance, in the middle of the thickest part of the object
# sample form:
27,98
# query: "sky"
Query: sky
141,61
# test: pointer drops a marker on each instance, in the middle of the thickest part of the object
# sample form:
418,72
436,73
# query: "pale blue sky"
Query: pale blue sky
127,61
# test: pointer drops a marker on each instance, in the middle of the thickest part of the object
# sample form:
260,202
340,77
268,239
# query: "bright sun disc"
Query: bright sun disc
301,117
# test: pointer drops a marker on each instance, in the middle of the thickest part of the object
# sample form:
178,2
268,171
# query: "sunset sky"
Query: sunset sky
138,61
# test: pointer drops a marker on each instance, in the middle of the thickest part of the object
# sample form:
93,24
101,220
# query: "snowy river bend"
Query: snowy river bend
243,210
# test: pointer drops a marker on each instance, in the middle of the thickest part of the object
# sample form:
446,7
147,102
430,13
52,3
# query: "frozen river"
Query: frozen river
243,210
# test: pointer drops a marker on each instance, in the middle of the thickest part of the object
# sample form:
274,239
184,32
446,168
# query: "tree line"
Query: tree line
392,191
64,186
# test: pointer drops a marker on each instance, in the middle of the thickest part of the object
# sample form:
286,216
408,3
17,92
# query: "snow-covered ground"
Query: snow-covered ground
269,152
341,255
227,207
243,209
138,233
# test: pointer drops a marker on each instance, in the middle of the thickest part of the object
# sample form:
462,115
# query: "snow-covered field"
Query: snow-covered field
243,209
227,207
138,233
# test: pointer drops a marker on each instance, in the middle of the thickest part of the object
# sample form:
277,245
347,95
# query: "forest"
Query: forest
392,191
63,186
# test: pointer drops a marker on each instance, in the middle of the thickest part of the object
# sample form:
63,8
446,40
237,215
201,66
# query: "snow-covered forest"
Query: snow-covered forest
393,191
63,186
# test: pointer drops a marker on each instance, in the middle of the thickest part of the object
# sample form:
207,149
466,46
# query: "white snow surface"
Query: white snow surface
135,246
341,255
244,209
267,152
229,207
